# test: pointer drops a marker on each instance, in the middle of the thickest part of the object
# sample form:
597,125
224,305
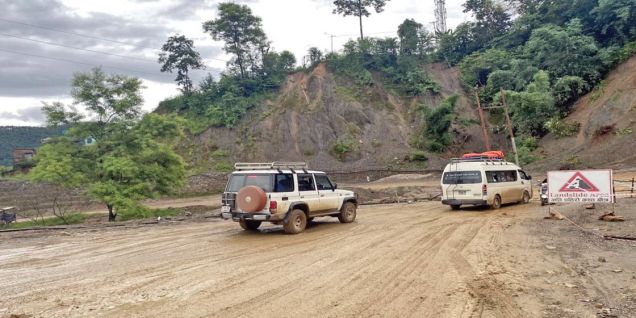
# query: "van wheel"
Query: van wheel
496,202
347,213
250,225
455,206
296,223
526,197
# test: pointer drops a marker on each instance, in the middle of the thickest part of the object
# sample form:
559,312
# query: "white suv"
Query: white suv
284,193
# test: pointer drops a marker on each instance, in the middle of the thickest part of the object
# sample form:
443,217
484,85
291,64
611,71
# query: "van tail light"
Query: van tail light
484,189
273,206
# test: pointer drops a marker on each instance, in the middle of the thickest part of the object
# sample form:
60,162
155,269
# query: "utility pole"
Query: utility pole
509,124
484,131
331,36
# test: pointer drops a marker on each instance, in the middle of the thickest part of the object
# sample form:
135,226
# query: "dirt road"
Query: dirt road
419,260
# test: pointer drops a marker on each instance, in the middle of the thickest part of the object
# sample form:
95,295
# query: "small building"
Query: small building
23,159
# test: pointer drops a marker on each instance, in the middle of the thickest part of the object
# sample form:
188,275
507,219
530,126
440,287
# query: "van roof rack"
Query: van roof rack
485,159
278,165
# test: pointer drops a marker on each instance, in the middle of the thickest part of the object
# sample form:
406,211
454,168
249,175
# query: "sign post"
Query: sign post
580,186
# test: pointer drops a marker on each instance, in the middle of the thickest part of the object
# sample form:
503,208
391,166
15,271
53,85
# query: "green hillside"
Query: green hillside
12,137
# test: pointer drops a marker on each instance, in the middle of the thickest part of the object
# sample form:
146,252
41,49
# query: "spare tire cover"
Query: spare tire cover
251,199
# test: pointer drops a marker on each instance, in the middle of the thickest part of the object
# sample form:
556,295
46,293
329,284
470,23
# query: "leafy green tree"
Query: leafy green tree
564,52
242,33
131,159
476,67
533,107
358,8
178,53
108,99
409,35
491,18
615,21
454,45
315,56
567,90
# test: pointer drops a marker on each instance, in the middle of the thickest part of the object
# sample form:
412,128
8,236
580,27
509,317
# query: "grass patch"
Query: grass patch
146,213
75,218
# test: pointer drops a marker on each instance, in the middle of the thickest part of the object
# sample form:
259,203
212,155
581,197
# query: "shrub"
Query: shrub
560,128
418,155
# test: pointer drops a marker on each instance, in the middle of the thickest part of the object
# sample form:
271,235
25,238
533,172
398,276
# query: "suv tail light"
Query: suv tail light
484,189
273,206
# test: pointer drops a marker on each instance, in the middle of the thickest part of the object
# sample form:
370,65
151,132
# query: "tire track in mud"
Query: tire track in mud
395,260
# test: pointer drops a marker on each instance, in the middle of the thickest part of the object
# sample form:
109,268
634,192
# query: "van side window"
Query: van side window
523,175
501,176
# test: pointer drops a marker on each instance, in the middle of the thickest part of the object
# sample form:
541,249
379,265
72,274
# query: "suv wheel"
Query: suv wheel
250,225
296,223
347,213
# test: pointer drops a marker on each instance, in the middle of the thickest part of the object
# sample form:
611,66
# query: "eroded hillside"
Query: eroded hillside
331,123
607,118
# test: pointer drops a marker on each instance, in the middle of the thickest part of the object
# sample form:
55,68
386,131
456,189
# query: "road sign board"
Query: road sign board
580,186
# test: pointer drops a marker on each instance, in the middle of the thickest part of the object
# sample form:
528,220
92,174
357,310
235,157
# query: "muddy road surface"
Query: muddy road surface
401,260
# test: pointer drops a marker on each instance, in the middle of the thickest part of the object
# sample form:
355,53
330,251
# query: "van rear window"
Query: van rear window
461,177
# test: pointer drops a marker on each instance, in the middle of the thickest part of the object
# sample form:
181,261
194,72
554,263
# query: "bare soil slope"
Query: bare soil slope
317,111
607,136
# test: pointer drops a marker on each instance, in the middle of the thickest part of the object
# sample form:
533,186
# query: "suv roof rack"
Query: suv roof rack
278,165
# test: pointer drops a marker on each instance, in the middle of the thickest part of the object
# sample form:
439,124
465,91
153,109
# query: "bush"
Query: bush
560,128
567,90
418,155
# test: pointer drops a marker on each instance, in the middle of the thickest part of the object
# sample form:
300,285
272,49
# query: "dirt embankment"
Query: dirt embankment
401,260
607,118
326,120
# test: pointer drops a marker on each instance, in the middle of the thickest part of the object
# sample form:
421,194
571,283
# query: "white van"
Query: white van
484,181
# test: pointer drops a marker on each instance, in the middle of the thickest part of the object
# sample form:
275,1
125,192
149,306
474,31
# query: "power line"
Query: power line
88,36
76,48
76,34
80,63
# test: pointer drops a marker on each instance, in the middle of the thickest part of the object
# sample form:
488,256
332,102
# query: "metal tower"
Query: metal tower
440,16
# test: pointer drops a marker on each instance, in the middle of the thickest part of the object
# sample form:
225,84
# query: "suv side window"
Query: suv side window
323,183
284,183
306,182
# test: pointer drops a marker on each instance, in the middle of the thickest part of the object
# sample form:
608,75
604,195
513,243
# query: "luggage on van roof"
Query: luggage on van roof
498,154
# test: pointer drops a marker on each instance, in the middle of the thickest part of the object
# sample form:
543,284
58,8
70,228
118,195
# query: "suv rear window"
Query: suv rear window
461,177
283,182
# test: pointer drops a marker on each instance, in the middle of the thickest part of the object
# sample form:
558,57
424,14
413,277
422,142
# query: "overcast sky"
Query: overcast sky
43,42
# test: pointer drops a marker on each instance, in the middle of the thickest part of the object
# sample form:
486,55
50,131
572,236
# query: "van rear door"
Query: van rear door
462,185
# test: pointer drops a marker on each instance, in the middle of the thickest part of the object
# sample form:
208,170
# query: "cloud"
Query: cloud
38,59
31,114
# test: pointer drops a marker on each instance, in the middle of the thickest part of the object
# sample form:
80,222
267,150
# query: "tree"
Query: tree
615,20
315,56
409,33
242,33
107,98
178,53
491,18
532,108
131,159
358,8
565,51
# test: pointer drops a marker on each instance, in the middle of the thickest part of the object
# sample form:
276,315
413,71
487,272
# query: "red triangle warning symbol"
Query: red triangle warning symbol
578,183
